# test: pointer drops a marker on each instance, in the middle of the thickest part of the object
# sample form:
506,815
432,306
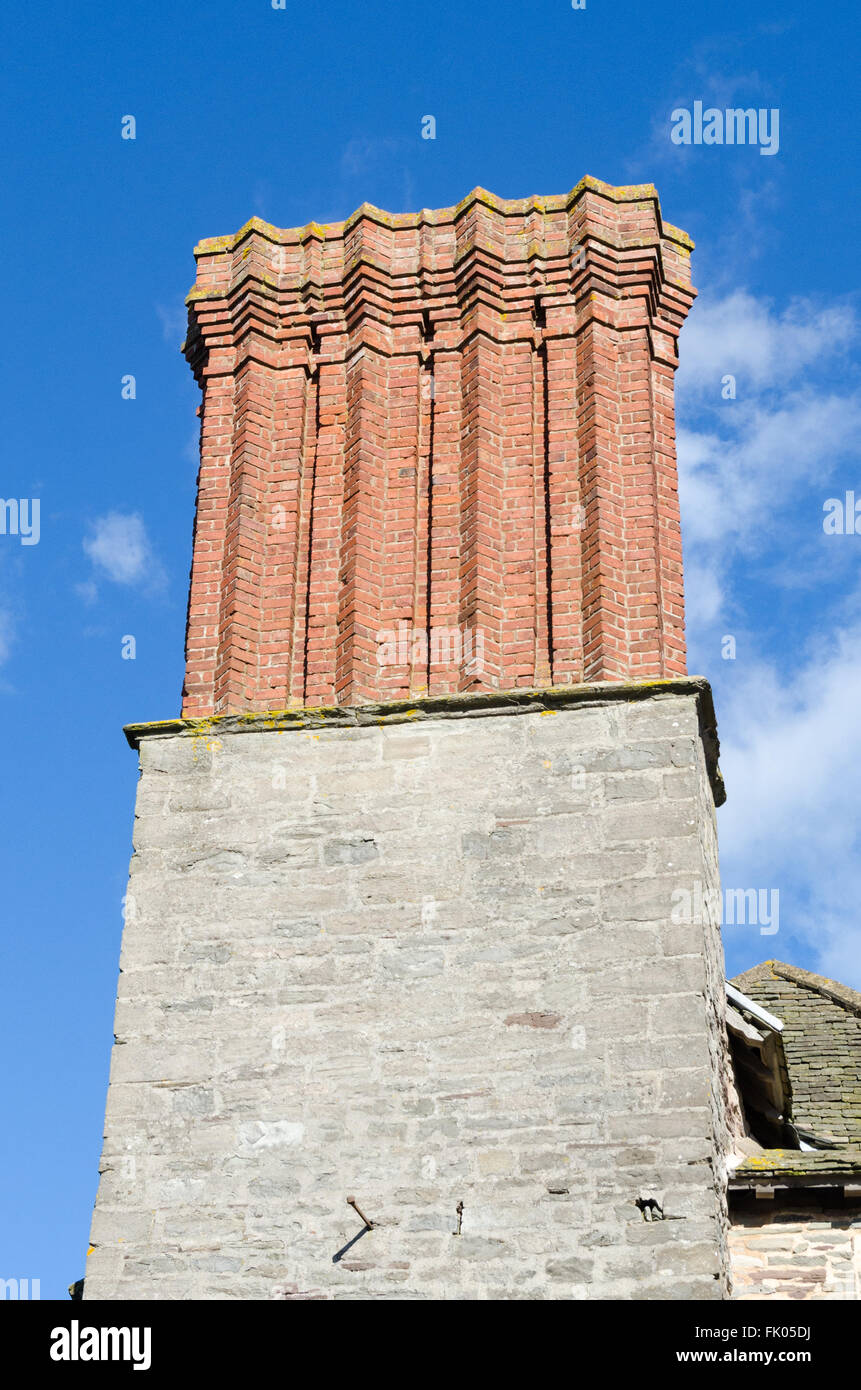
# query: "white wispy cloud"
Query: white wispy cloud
745,463
7,633
791,748
174,322
704,595
364,153
730,481
753,474
120,549
745,336
191,448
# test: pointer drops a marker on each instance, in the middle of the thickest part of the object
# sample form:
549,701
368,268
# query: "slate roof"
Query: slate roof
821,1041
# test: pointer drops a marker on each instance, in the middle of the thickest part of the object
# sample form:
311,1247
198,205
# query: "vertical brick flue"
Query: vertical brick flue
437,452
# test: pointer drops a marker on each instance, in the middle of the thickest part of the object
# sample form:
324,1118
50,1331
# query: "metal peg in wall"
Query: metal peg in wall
351,1202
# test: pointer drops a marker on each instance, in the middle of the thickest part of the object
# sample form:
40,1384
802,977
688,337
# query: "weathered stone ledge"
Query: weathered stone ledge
796,1167
461,706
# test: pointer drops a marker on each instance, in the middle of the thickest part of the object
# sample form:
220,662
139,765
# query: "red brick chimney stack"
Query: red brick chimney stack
437,452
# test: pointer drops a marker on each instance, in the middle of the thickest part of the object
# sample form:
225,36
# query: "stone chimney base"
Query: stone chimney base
456,961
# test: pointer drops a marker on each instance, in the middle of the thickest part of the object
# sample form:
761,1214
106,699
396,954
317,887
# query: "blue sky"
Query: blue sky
301,114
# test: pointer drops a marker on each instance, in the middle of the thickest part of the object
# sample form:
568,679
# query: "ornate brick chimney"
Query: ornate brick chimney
423,917
455,427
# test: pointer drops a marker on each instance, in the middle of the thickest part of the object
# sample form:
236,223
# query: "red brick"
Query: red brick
438,420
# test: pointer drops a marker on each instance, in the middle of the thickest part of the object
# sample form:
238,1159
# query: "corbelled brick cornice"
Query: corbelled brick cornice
456,421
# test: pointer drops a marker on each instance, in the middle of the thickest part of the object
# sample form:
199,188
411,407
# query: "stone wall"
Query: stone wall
812,1251
423,963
